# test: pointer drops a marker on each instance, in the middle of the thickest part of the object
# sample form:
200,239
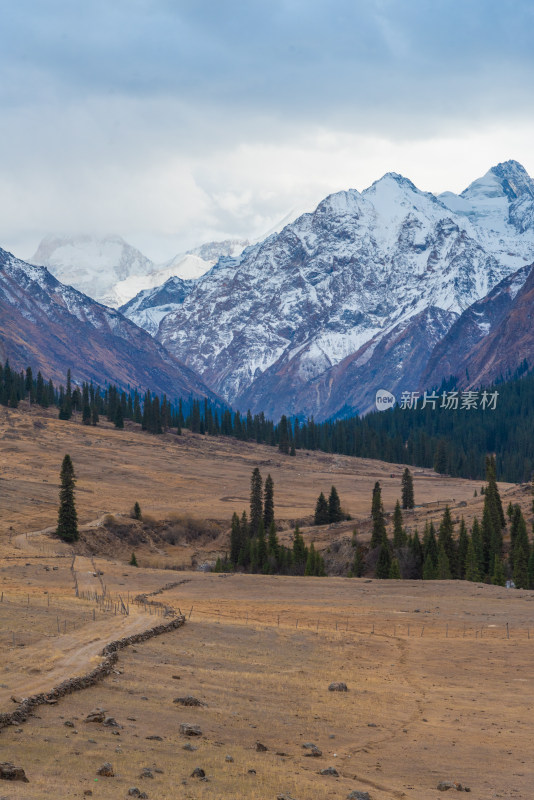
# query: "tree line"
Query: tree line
454,442
477,554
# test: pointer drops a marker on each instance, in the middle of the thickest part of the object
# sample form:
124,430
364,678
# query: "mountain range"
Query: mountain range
390,288
53,327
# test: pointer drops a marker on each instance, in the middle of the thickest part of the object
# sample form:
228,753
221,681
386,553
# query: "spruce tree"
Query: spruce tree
321,511
417,554
472,572
463,543
256,501
530,569
383,565
407,489
119,418
399,534
261,547
235,539
498,577
478,546
378,535
446,538
67,524
283,443
137,511
443,570
133,560
334,506
268,503
273,548
300,551
310,562
394,570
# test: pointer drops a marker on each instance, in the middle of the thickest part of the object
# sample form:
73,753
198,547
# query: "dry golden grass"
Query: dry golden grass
436,689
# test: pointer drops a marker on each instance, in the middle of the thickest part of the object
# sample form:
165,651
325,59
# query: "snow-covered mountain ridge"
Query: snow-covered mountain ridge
112,271
389,264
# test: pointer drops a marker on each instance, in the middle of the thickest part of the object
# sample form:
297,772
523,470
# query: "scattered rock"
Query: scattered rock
260,748
111,722
176,677
359,796
133,791
313,750
106,770
229,759
444,785
146,772
88,793
251,771
198,773
189,747
155,738
9,772
190,730
96,715
338,686
372,725
284,797
330,771
189,700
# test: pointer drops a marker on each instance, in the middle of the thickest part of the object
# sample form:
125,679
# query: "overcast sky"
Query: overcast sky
172,122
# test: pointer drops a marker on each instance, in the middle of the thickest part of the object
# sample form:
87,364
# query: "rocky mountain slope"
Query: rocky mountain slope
354,296
149,307
52,327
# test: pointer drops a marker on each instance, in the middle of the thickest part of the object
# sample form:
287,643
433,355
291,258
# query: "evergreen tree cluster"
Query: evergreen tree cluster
254,545
475,555
328,511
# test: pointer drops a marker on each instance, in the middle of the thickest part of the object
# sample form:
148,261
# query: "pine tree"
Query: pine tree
520,567
334,506
383,565
273,548
463,544
444,570
235,539
417,554
321,511
446,538
133,560
283,444
137,511
440,458
394,570
256,501
268,503
478,545
67,524
358,564
378,535
310,562
498,577
399,534
472,572
530,569
261,548
300,552
407,489
119,418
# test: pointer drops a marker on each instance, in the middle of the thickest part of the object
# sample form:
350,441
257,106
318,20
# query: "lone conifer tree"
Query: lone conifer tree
256,501
67,522
407,489
268,503
378,535
321,511
136,510
334,506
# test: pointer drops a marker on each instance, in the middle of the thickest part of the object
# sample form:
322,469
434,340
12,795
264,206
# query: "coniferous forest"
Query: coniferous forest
453,442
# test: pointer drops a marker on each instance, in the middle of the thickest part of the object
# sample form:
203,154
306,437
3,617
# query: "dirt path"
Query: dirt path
40,667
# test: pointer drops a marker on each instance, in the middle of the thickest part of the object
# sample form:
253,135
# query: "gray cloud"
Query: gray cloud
153,114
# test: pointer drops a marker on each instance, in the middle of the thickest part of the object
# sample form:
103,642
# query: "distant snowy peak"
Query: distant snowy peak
148,308
212,251
500,199
91,264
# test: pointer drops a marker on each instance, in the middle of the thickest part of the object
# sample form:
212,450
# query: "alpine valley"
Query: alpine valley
391,288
